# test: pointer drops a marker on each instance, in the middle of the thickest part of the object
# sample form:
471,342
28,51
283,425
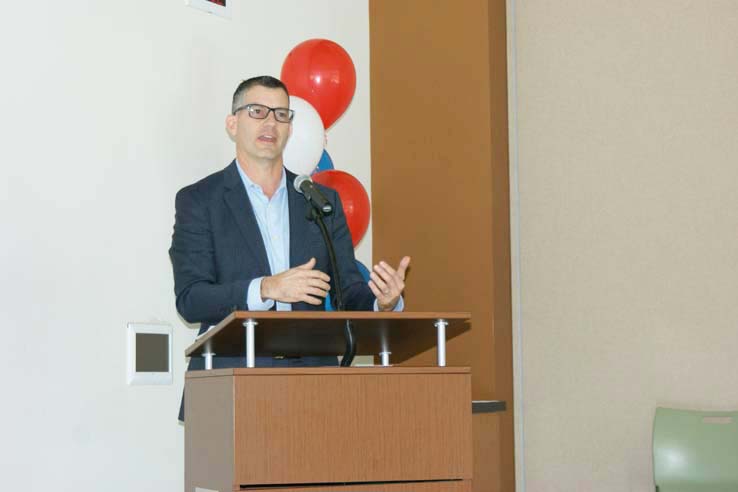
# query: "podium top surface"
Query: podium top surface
327,371
321,332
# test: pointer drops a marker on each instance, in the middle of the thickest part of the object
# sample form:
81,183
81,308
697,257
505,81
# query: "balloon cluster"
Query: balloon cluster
321,79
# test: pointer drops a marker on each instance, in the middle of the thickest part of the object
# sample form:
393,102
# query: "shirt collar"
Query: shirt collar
249,184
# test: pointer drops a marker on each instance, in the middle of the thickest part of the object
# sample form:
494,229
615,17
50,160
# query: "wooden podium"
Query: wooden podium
382,428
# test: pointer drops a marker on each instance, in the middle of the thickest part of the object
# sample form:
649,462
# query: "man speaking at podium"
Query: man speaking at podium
242,239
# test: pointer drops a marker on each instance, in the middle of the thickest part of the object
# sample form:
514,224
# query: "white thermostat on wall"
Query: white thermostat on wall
149,354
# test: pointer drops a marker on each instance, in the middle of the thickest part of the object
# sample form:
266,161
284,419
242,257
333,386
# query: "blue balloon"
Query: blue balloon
364,273
363,270
325,163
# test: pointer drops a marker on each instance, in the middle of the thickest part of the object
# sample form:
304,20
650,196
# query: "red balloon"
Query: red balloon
321,72
353,197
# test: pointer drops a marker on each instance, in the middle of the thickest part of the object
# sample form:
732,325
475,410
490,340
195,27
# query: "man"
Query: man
242,240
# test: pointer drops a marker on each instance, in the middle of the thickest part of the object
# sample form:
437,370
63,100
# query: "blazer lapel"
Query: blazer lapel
238,201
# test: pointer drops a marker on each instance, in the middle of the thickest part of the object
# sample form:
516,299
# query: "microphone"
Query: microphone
304,185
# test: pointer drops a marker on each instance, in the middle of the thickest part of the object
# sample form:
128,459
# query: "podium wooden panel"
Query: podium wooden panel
256,428
352,429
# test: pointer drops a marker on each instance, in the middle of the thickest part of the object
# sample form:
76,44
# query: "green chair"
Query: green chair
695,451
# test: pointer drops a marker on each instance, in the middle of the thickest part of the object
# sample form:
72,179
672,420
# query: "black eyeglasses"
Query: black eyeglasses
260,112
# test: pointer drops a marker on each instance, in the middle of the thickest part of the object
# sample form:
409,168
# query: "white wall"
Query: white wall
627,114
106,110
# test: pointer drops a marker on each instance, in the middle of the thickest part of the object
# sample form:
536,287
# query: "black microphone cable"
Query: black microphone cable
350,350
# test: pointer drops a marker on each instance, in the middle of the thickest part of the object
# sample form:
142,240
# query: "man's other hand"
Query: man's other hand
387,283
299,284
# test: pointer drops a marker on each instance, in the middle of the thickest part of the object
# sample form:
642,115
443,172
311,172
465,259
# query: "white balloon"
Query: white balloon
305,146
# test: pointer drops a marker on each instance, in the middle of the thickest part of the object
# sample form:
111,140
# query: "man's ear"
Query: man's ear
231,124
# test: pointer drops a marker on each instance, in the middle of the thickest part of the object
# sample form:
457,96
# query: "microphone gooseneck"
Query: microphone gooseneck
320,207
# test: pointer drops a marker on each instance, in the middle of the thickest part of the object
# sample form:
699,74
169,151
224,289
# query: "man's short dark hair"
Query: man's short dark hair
262,80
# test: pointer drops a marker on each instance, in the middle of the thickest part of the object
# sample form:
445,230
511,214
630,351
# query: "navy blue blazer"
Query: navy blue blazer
217,248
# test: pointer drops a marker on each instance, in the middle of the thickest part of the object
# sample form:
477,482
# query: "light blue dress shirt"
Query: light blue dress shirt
273,218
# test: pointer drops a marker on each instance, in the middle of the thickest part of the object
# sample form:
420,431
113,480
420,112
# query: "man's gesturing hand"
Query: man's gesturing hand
387,283
301,283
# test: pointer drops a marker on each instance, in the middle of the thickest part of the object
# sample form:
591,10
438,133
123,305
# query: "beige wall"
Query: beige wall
627,166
